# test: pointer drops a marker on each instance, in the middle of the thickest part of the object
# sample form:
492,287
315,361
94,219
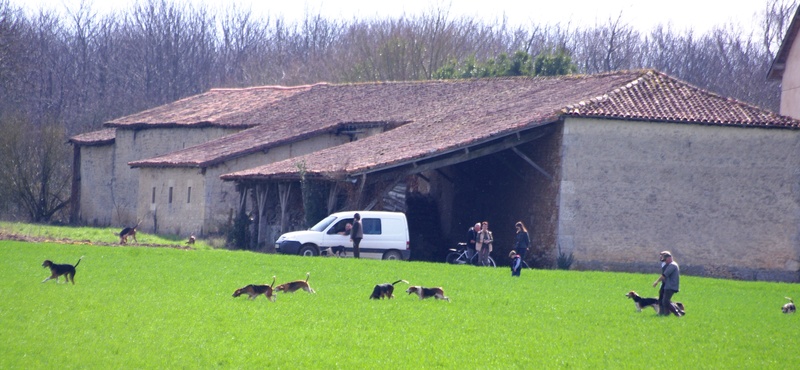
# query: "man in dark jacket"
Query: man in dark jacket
356,233
472,236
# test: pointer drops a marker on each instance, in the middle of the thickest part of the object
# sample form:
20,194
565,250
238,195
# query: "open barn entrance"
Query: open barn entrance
516,184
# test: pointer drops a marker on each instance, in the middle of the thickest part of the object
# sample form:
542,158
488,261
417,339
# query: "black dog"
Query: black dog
57,270
128,232
384,290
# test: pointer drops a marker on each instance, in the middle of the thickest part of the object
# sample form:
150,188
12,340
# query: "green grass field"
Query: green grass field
134,307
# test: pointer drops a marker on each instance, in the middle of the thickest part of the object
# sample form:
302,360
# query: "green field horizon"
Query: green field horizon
136,307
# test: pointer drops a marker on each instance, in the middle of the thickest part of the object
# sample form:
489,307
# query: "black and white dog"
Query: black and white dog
789,307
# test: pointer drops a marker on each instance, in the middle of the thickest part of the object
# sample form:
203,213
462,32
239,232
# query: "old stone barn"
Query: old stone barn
612,168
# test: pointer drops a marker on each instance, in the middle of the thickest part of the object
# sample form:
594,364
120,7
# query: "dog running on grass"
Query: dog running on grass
191,240
641,302
128,232
423,293
293,286
255,290
384,290
56,270
789,307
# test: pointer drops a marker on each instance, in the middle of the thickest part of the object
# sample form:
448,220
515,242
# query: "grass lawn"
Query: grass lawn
134,307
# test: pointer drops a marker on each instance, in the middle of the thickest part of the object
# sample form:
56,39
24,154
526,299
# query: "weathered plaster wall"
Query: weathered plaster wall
790,83
724,200
171,204
95,186
215,200
132,145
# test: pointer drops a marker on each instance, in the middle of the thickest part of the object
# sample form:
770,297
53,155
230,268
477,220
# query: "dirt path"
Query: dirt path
35,239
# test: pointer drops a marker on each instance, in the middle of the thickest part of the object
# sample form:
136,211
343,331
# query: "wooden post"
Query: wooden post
262,191
284,190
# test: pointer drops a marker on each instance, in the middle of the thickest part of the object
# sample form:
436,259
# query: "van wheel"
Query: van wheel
392,255
308,250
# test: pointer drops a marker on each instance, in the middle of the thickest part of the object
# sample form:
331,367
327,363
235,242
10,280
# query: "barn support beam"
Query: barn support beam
532,163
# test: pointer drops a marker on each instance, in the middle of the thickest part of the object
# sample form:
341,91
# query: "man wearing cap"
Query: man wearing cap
671,279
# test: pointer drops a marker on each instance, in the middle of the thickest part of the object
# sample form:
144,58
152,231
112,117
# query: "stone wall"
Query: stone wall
95,185
213,202
131,145
724,200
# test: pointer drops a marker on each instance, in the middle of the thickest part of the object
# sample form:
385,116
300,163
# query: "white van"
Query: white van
385,236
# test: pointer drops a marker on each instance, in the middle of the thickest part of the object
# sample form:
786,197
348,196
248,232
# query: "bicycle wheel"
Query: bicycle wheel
476,260
452,257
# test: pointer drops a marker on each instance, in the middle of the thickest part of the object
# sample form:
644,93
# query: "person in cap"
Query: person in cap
670,279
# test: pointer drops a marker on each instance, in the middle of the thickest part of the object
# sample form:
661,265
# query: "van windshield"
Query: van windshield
322,225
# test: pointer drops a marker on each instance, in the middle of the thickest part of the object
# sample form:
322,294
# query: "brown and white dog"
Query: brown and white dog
648,302
191,240
56,270
293,286
255,290
384,290
789,307
423,293
128,232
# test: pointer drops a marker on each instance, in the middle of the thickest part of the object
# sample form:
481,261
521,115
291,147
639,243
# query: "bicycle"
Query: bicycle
459,257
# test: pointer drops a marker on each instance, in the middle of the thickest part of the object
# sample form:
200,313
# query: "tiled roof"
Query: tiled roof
457,114
658,97
217,107
95,138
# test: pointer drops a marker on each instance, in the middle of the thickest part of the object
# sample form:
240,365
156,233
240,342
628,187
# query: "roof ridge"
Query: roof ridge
616,91
272,87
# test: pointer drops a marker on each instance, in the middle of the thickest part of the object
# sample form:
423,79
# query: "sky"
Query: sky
644,15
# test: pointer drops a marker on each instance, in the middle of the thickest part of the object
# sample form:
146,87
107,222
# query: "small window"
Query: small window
372,226
189,196
154,196
170,195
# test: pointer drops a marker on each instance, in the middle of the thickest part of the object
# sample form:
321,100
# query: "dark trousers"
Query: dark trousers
356,242
667,306
522,253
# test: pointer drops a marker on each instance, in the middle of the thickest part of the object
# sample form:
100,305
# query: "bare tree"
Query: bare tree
32,169
775,21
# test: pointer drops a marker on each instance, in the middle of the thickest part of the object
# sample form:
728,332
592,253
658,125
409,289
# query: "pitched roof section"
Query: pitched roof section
480,110
779,63
658,97
95,138
217,107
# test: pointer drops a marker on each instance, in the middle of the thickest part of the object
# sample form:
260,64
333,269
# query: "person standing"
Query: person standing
516,263
522,241
484,243
472,237
356,233
670,279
